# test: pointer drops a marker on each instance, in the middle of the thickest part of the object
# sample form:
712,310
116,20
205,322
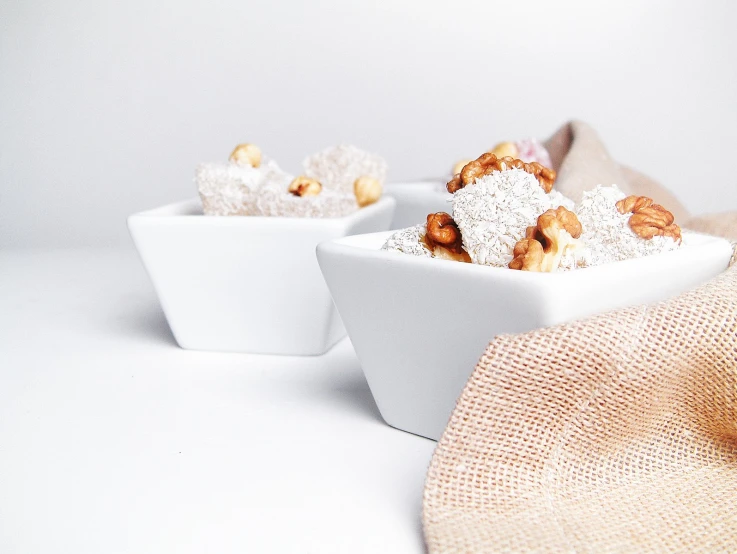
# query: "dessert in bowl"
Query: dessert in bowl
236,271
421,304
416,199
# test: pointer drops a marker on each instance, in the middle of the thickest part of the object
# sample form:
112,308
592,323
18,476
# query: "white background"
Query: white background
112,439
115,441
106,107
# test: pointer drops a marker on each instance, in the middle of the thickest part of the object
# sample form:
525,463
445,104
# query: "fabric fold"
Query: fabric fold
582,162
617,433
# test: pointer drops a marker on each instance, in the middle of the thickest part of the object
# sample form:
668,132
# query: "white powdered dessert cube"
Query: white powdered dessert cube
228,188
559,199
281,203
494,212
231,188
409,241
606,232
338,167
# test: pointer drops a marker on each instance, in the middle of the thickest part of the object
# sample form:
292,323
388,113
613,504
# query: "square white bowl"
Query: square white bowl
420,325
246,284
416,200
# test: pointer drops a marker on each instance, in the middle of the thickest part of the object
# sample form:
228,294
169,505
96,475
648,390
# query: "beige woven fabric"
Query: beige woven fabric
613,434
582,162
723,225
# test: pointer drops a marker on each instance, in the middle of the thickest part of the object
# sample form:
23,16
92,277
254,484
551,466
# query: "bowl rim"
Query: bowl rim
347,247
423,187
176,213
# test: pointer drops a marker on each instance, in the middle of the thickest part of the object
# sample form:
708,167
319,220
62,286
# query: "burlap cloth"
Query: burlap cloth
617,433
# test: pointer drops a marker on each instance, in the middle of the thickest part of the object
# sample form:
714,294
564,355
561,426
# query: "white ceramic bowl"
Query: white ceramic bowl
246,284
420,325
416,200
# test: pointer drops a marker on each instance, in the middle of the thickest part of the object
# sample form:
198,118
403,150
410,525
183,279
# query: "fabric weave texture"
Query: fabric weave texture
617,433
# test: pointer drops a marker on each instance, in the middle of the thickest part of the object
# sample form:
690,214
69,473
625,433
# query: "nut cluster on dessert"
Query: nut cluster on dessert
506,213
488,163
335,182
528,150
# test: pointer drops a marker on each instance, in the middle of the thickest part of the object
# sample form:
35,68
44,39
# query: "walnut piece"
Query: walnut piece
488,163
649,220
443,238
553,220
305,186
442,230
528,255
367,190
455,184
544,245
246,154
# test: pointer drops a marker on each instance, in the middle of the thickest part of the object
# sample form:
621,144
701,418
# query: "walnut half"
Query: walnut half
488,163
544,245
443,238
649,220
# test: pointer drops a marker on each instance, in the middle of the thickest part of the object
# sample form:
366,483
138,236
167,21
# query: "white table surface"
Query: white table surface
113,439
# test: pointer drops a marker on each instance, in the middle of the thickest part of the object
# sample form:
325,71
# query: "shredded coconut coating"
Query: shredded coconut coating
232,189
338,167
558,199
223,187
408,241
606,232
493,213
281,203
532,150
